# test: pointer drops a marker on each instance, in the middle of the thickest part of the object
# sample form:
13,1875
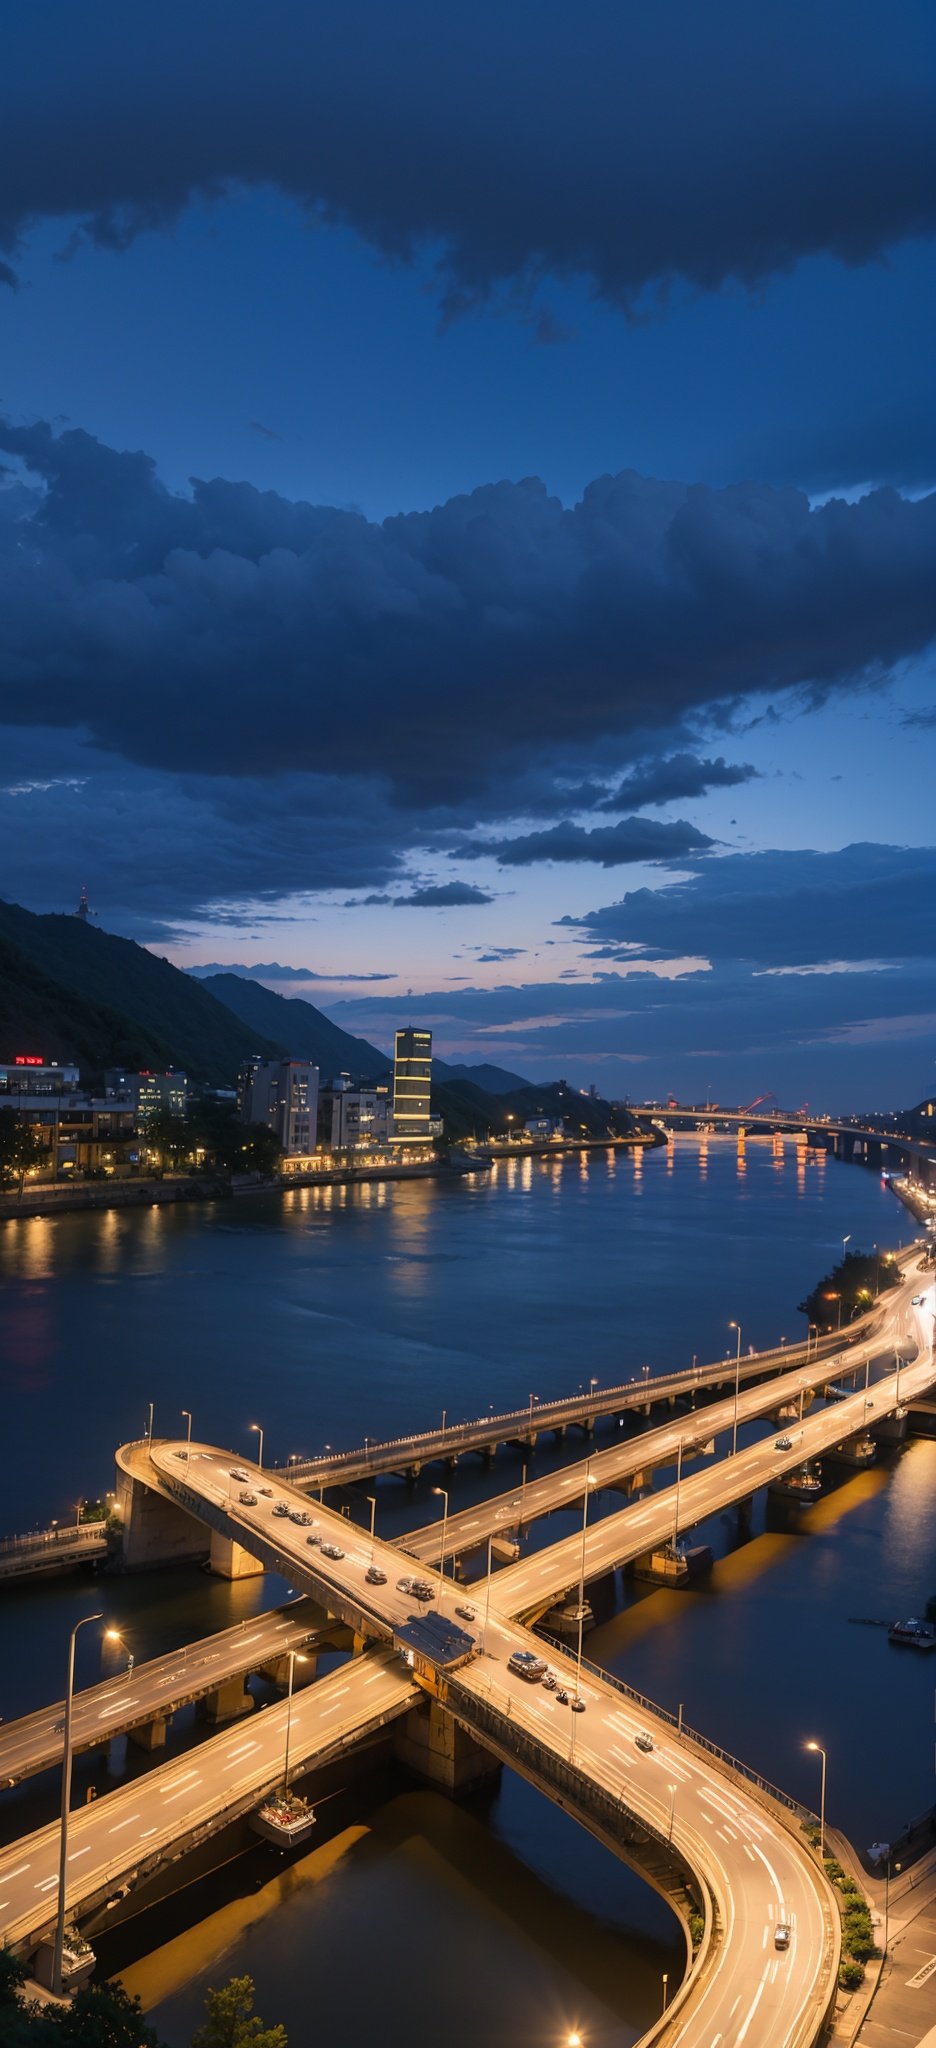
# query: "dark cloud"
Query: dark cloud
443,895
925,720
673,780
612,846
785,909
272,970
642,147
184,631
268,433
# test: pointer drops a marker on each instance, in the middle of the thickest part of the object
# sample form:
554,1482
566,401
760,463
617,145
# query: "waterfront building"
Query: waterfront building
412,1084
283,1095
30,1073
353,1119
78,1133
151,1094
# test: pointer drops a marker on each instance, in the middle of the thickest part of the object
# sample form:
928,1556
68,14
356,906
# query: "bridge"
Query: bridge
484,1434
719,1843
141,1701
845,1138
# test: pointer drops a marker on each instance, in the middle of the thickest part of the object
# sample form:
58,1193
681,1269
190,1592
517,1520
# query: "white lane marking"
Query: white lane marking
18,1872
46,1884
758,1995
74,1854
115,1830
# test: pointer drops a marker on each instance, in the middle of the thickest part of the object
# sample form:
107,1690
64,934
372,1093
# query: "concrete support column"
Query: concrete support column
430,1743
229,1560
154,1531
151,1736
228,1703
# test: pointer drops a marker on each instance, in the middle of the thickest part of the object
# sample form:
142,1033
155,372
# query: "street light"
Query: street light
737,1387
372,1497
887,1878
186,1416
444,1495
590,1481
113,1635
810,1327
817,1747
295,1657
257,1431
66,1802
487,1590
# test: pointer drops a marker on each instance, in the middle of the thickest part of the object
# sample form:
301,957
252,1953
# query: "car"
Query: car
562,1696
526,1664
332,1550
466,1613
918,1301
301,1516
237,1472
313,1538
420,1589
280,1508
247,1499
782,1935
374,1575
784,1443
405,1585
550,1681
577,1703
267,1492
644,1741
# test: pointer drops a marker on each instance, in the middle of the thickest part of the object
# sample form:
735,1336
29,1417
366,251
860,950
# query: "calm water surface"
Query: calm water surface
333,1312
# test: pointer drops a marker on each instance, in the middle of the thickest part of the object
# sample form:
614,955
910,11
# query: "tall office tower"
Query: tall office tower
412,1080
283,1094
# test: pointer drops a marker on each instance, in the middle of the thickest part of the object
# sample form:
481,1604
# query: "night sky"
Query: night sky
465,544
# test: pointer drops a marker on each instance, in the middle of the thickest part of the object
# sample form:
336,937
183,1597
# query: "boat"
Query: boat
564,1621
676,1564
853,1450
285,1820
804,1485
913,1634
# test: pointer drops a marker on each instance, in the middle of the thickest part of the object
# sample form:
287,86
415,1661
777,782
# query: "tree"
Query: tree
19,1150
232,2022
102,2016
168,1136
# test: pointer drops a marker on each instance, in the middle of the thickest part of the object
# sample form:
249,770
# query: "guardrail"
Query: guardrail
804,1814
428,1443
40,1539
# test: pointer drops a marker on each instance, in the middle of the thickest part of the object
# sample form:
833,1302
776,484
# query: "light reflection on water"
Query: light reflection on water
333,1311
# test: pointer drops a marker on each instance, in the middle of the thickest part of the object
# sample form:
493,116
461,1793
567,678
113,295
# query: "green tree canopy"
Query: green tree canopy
232,2022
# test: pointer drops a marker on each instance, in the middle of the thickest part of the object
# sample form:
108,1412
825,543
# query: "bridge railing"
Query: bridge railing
802,1813
40,1539
427,1443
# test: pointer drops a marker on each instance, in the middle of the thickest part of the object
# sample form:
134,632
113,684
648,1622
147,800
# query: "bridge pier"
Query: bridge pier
229,1560
228,1703
154,1531
432,1745
151,1736
745,1512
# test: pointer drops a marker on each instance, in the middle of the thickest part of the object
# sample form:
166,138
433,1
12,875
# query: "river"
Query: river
328,1313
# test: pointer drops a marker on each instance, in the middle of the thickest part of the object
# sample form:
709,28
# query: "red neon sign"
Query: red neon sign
30,1059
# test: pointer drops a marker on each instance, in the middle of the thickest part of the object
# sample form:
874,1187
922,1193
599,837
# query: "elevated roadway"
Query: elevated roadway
119,1841
746,1857
483,1433
530,1587
156,1689
624,1461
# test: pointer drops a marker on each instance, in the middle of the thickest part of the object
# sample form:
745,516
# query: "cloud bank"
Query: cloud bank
507,144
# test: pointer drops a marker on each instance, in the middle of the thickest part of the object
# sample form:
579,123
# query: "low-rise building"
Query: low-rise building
151,1094
78,1133
30,1073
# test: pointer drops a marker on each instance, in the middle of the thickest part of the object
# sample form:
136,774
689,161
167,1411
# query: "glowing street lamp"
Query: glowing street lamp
737,1387
817,1747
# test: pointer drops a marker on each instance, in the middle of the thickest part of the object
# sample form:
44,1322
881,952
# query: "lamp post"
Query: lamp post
589,1483
819,1751
113,1635
444,1494
812,1327
679,1454
66,1802
257,1431
487,1589
737,1388
186,1416
149,1426
887,1879
295,1658
372,1498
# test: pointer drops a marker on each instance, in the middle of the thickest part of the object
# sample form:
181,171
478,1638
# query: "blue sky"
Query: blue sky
397,272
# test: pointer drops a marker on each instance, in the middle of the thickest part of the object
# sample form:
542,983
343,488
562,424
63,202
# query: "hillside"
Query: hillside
298,1027
493,1080
104,1001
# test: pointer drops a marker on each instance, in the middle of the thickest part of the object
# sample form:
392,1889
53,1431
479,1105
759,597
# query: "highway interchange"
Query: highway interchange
748,1858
